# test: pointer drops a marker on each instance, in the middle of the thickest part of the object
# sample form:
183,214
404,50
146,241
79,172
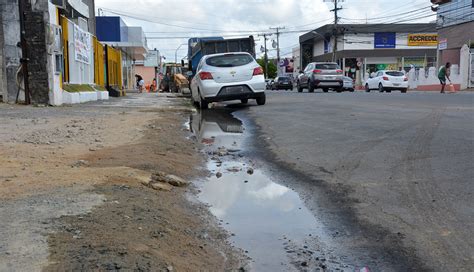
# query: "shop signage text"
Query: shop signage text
422,39
384,39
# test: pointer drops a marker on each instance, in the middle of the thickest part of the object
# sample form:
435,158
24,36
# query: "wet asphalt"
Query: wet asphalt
386,178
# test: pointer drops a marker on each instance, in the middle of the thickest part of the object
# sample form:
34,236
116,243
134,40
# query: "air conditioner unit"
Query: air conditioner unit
58,39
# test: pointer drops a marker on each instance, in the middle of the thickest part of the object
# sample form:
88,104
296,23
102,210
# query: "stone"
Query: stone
170,179
250,171
304,264
160,186
218,174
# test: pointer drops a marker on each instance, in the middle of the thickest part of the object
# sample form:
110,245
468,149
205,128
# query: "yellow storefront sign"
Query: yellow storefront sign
422,39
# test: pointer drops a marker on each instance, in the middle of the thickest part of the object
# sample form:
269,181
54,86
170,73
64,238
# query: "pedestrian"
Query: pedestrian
167,81
444,72
140,83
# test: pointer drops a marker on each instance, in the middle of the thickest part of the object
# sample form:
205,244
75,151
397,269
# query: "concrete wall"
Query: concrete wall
38,39
148,73
79,72
11,53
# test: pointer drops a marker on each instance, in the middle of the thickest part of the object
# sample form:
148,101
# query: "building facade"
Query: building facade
455,24
364,48
131,41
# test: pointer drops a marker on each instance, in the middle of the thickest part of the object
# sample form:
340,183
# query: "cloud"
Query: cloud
241,16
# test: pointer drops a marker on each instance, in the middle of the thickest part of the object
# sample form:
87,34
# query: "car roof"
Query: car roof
324,62
223,54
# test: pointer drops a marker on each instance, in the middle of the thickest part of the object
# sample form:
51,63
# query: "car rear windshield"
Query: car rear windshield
283,79
394,73
230,60
327,66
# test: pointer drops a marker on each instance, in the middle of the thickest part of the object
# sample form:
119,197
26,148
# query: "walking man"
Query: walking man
444,72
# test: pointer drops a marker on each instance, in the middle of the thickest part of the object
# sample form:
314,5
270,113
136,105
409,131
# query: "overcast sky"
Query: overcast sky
197,18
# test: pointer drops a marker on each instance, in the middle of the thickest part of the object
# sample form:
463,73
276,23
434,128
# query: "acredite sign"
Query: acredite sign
422,39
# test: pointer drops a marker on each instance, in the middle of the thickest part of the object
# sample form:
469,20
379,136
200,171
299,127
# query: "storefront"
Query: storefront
363,49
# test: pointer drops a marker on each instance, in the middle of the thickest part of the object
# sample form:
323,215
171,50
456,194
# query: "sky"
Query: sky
165,19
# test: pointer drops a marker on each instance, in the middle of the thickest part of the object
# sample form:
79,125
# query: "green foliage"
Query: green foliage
272,69
75,88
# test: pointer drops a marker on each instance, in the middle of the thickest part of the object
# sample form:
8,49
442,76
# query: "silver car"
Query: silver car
228,76
348,84
321,75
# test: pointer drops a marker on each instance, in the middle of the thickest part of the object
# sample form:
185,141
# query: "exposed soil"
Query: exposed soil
72,196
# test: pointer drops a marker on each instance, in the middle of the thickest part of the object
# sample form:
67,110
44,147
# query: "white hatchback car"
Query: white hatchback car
228,76
387,81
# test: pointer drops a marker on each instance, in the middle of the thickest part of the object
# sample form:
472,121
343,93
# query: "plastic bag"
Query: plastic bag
451,88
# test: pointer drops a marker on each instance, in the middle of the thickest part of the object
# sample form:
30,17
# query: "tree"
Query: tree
272,69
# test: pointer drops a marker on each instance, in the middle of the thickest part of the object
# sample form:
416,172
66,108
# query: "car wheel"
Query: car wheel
404,90
325,90
261,100
203,104
367,89
381,88
310,87
299,88
244,101
388,91
351,90
339,90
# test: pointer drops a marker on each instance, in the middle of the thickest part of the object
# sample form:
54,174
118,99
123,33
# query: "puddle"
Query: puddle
267,220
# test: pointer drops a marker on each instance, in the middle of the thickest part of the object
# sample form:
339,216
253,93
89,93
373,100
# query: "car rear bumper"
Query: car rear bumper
221,96
327,83
210,88
395,86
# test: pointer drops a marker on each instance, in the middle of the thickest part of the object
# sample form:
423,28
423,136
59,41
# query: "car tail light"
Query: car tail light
405,79
205,75
339,71
258,71
385,78
317,71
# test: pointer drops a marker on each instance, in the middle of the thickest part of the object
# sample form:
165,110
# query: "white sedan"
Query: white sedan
387,81
228,76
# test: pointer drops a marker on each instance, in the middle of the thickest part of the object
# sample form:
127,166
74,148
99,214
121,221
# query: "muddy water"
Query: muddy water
267,220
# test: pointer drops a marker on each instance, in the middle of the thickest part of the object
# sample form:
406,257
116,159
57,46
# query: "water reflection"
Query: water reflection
258,211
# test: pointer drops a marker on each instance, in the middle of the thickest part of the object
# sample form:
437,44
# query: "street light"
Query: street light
176,53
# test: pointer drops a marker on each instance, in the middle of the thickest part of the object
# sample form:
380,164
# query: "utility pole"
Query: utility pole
278,46
22,5
265,55
336,19
278,40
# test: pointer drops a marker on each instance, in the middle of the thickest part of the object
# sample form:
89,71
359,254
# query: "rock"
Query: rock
160,186
218,174
176,181
169,268
234,169
92,149
304,264
80,163
250,171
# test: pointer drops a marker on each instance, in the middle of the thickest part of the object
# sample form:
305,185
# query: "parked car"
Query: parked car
282,83
228,76
348,84
268,84
321,75
386,80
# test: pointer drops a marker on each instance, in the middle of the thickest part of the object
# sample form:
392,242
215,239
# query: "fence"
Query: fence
114,68
99,63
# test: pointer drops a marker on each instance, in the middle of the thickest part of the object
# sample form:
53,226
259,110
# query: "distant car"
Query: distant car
228,76
282,83
321,75
348,84
268,83
387,81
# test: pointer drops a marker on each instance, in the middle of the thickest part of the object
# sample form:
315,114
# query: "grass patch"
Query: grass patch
100,88
75,88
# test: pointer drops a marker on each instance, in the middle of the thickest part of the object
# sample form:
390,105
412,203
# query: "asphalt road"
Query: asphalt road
396,168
